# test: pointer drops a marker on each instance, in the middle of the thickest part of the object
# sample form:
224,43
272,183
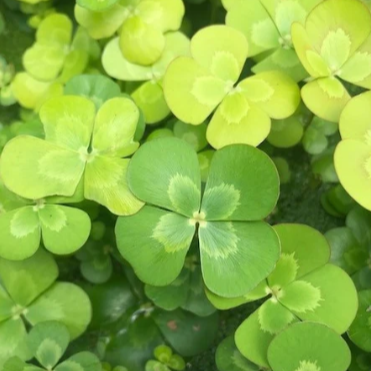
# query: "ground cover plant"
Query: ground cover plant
185,185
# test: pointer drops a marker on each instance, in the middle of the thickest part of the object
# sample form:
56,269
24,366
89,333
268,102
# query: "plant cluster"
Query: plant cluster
144,146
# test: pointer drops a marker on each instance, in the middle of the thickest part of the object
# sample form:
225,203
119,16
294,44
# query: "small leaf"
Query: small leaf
84,361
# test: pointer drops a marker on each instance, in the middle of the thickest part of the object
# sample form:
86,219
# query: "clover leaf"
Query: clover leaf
311,346
29,294
142,23
334,43
195,87
80,145
166,360
23,223
241,190
353,153
303,287
96,5
267,27
148,96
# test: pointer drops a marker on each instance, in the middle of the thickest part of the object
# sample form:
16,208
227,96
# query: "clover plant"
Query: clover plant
30,295
80,145
227,217
23,223
142,25
52,60
267,27
165,360
47,342
333,43
6,76
195,86
149,95
303,287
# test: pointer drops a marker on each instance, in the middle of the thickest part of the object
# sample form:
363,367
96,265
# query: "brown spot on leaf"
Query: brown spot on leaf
172,325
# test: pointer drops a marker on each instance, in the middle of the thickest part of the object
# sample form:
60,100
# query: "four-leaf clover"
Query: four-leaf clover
195,87
81,145
238,250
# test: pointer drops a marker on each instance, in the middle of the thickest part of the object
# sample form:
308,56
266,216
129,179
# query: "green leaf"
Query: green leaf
253,20
326,98
84,361
243,184
150,99
173,167
68,122
234,122
274,317
358,220
191,91
97,270
64,229
19,233
75,63
301,297
49,169
285,271
359,331
12,334
6,305
156,366
55,29
114,129
231,255
25,280
163,353
186,333
102,24
16,364
228,357
172,296
311,347
98,88
140,42
106,183
32,93
307,246
164,239
48,341
273,92
337,292
65,303
194,135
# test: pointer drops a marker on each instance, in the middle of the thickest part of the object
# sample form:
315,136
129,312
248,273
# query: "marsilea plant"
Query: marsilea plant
195,86
303,287
267,27
333,45
237,248
81,145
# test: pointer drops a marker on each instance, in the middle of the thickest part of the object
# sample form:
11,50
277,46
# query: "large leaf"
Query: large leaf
48,341
49,169
360,329
310,347
95,5
231,255
19,233
337,290
65,303
115,126
326,98
172,166
106,183
155,243
187,334
64,229
243,184
26,280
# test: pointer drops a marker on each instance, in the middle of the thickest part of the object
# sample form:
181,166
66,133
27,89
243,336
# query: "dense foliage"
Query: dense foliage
185,184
